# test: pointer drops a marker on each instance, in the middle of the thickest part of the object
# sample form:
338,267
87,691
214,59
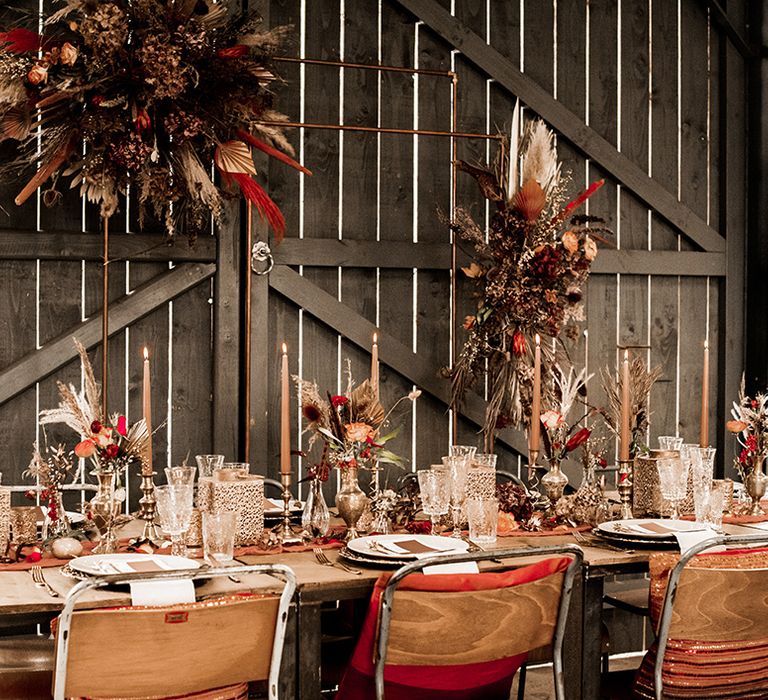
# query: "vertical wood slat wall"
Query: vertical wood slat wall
644,75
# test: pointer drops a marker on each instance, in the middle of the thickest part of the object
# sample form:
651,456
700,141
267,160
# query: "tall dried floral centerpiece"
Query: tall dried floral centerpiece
111,448
352,429
529,271
750,425
144,93
558,436
51,467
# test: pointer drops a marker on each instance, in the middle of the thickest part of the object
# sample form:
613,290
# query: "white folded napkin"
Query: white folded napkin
162,592
686,540
464,567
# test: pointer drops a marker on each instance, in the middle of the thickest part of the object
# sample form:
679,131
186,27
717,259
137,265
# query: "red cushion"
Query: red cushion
480,681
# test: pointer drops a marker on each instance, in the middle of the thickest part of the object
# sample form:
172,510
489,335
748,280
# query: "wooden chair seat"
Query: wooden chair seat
711,617
460,636
208,649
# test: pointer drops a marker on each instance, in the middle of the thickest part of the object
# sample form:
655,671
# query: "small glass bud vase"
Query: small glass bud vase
316,517
56,523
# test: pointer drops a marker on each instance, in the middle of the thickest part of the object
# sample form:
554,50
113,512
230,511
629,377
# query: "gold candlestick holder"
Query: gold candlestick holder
148,508
624,487
285,530
533,456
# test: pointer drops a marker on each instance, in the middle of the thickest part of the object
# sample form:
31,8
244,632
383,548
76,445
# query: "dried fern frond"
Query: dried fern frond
641,380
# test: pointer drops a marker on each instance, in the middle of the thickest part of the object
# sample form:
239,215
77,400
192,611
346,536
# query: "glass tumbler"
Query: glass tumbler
435,488
207,463
219,536
483,516
174,508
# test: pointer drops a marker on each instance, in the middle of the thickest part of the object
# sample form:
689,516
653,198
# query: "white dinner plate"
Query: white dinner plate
406,546
126,563
649,528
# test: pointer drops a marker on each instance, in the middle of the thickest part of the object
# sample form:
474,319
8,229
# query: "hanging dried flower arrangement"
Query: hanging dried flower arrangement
529,270
144,93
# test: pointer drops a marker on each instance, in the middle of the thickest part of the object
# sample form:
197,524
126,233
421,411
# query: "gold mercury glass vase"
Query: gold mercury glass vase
350,500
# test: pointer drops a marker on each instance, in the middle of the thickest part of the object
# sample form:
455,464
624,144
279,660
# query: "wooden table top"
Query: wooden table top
19,594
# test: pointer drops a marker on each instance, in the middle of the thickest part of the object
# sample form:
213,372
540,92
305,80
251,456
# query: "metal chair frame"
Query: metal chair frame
279,571
388,594
669,597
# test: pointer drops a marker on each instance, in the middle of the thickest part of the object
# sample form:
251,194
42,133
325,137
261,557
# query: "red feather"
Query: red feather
21,40
578,201
255,194
245,136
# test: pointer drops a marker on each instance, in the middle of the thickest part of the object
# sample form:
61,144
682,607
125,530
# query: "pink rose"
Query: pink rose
551,419
103,437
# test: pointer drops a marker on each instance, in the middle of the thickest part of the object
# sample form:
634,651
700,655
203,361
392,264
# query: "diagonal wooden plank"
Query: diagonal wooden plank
437,256
66,245
392,352
145,299
572,127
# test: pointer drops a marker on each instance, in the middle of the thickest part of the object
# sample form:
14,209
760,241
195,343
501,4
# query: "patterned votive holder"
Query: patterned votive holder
194,535
5,518
232,490
481,477
23,521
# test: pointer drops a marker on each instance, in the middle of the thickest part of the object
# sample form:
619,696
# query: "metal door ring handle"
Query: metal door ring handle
262,261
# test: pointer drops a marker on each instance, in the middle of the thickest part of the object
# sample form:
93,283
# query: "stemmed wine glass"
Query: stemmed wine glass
435,488
459,467
174,508
673,481
182,476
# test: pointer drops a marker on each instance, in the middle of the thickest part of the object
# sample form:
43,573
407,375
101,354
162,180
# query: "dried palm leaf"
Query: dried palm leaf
364,407
92,388
15,123
235,157
530,200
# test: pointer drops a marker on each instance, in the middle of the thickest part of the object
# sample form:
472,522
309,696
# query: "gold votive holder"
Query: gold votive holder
24,521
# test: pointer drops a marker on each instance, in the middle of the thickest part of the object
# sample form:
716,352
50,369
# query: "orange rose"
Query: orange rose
735,426
85,449
37,74
570,241
68,54
358,432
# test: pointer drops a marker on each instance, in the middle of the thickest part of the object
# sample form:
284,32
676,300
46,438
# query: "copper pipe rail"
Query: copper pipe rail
453,134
